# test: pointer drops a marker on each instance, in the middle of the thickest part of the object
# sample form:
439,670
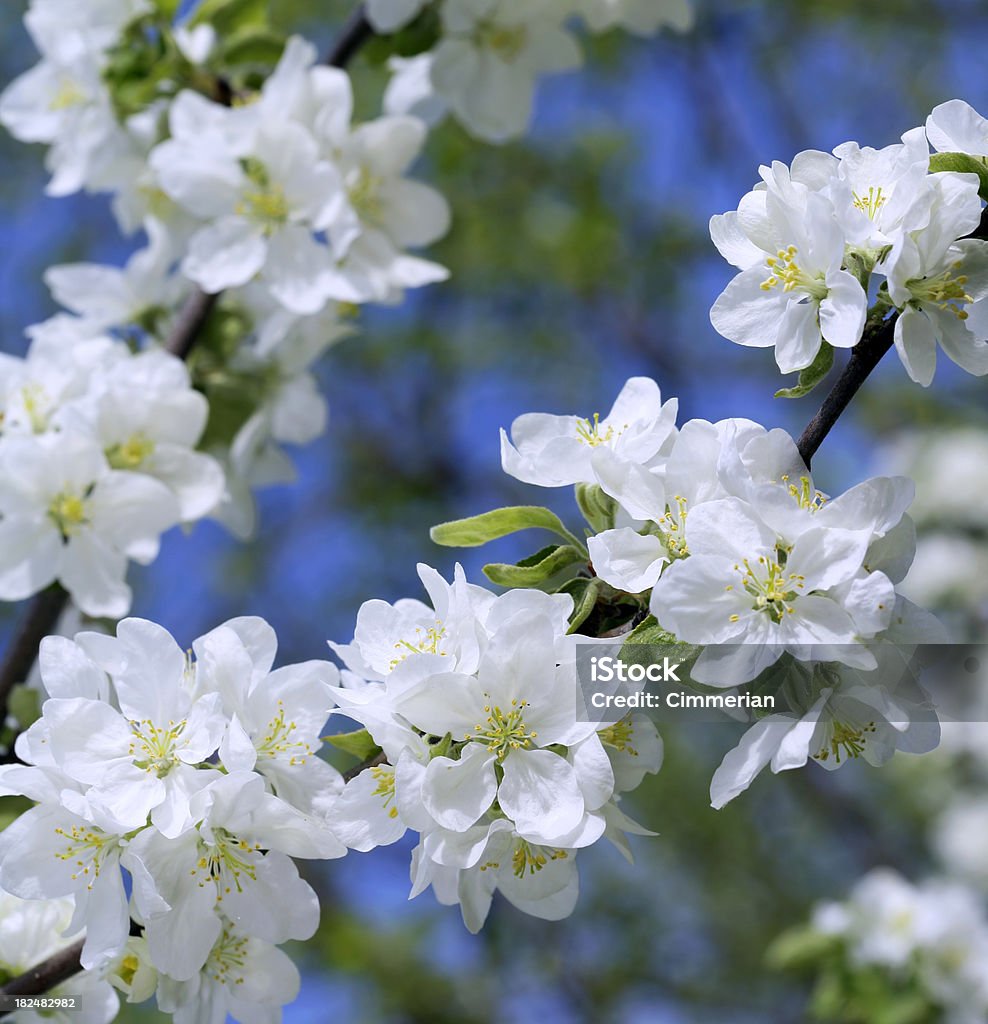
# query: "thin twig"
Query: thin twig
356,31
865,356
189,323
46,975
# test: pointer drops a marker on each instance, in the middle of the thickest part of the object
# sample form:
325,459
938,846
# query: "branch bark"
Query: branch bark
356,31
865,356
39,620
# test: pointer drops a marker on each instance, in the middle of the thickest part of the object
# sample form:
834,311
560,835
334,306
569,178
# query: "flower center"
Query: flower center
365,196
672,527
846,741
36,406
384,776
806,495
226,863
278,740
68,95
424,641
228,959
589,433
505,730
86,846
785,271
772,588
263,202
153,748
527,859
619,736
507,41
946,291
131,453
872,202
68,513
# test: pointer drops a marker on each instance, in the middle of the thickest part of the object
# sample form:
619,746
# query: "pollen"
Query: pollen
784,270
68,512
131,453
947,291
527,859
590,433
504,731
506,41
846,741
424,641
619,737
871,203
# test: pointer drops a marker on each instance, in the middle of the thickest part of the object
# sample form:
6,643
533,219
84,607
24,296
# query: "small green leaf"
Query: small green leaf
812,375
597,507
228,16
478,530
965,164
359,743
584,593
648,631
168,8
531,573
259,46
441,747
799,947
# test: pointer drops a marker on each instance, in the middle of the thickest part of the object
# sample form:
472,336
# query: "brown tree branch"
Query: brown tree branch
356,31
40,619
865,356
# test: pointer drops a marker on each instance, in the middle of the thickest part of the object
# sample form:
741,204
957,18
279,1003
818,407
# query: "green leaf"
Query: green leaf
478,530
227,16
799,947
812,375
441,747
168,8
648,631
11,808
965,164
359,743
256,46
24,705
584,593
597,507
531,572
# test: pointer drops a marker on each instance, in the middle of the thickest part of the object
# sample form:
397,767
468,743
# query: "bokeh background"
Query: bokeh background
580,256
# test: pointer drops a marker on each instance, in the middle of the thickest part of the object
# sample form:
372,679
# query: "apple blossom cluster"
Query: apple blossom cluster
819,241
923,946
198,777
718,531
97,459
489,54
261,189
30,932
486,749
272,186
